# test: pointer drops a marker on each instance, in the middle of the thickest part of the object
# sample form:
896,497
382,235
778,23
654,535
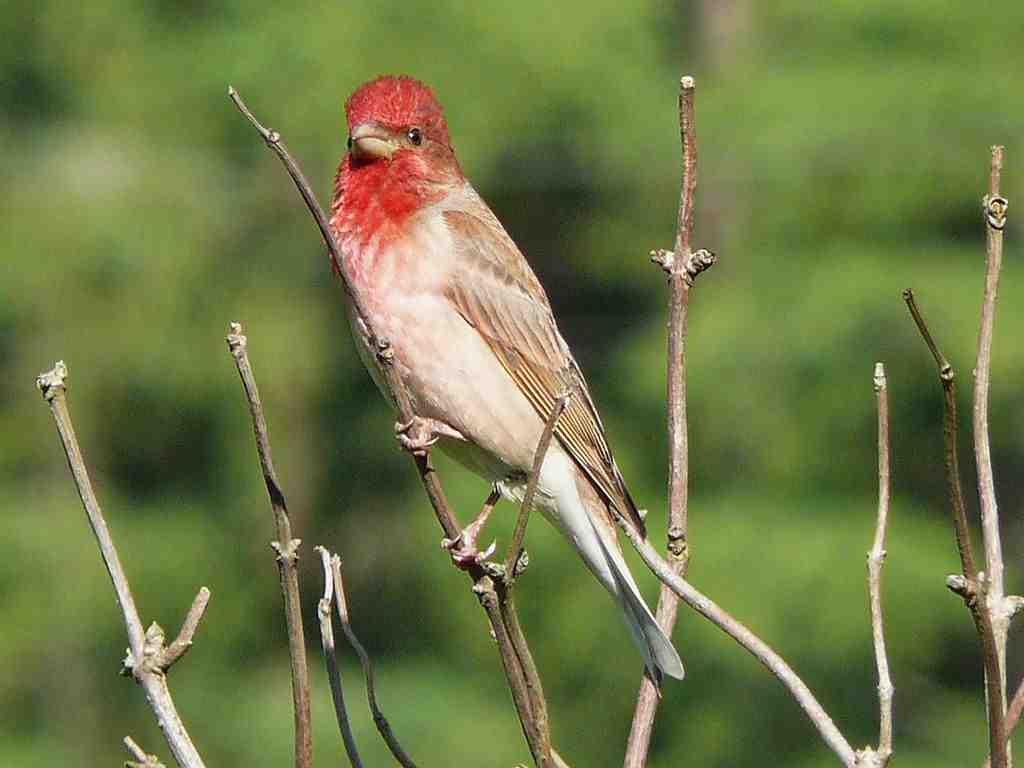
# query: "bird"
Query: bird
474,338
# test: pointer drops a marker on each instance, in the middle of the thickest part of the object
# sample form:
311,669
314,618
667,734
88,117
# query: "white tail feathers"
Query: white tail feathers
567,497
660,656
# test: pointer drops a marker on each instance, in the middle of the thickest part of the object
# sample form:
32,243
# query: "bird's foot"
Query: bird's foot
418,434
463,549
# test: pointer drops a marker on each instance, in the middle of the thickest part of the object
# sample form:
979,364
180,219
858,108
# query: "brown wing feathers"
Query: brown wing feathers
508,307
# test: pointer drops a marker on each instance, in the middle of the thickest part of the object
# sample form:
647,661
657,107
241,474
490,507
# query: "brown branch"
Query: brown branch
323,611
183,642
383,726
535,730
1013,714
983,594
995,210
148,657
682,267
994,593
947,377
757,647
515,546
139,757
967,585
287,550
879,758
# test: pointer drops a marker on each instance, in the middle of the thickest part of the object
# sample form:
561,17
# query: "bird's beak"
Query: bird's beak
369,141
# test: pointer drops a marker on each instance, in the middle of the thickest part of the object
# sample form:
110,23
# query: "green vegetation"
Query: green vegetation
843,156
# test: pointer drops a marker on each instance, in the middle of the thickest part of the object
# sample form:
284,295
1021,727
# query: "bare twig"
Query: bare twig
995,219
969,584
383,726
682,267
148,657
515,546
139,757
1013,714
535,729
287,550
323,611
757,647
879,758
947,377
183,642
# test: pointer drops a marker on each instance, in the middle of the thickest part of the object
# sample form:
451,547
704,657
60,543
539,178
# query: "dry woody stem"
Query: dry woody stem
287,550
879,758
682,267
1013,714
515,546
148,657
983,593
995,220
323,611
969,585
139,757
383,726
489,586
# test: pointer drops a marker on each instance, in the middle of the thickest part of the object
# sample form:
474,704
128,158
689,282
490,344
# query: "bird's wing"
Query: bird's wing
497,293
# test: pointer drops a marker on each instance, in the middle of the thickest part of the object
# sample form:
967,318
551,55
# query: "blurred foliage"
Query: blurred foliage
844,150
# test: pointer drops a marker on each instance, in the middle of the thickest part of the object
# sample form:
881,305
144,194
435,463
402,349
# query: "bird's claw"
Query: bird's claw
464,552
416,435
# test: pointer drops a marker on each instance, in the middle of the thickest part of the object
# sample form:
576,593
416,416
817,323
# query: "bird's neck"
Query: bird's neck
372,202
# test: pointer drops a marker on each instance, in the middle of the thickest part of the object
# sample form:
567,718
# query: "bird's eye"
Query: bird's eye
415,135
350,142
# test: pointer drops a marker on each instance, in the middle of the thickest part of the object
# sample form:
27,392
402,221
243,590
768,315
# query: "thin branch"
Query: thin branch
383,726
535,724
994,592
968,585
323,611
146,660
536,733
1013,714
515,546
995,209
757,647
183,642
531,677
287,550
682,267
139,757
947,377
876,557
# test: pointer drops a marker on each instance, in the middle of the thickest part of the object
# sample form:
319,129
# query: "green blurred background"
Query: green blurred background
843,154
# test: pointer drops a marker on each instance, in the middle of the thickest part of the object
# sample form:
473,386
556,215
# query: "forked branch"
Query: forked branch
323,611
383,726
682,267
983,594
148,657
287,550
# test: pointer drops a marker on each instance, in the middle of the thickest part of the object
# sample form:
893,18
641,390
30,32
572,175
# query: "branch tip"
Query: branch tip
237,341
139,757
49,382
879,377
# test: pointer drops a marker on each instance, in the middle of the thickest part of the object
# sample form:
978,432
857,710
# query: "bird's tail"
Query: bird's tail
589,524
660,656
572,503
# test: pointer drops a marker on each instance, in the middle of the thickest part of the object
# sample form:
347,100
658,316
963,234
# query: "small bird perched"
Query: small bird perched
474,337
